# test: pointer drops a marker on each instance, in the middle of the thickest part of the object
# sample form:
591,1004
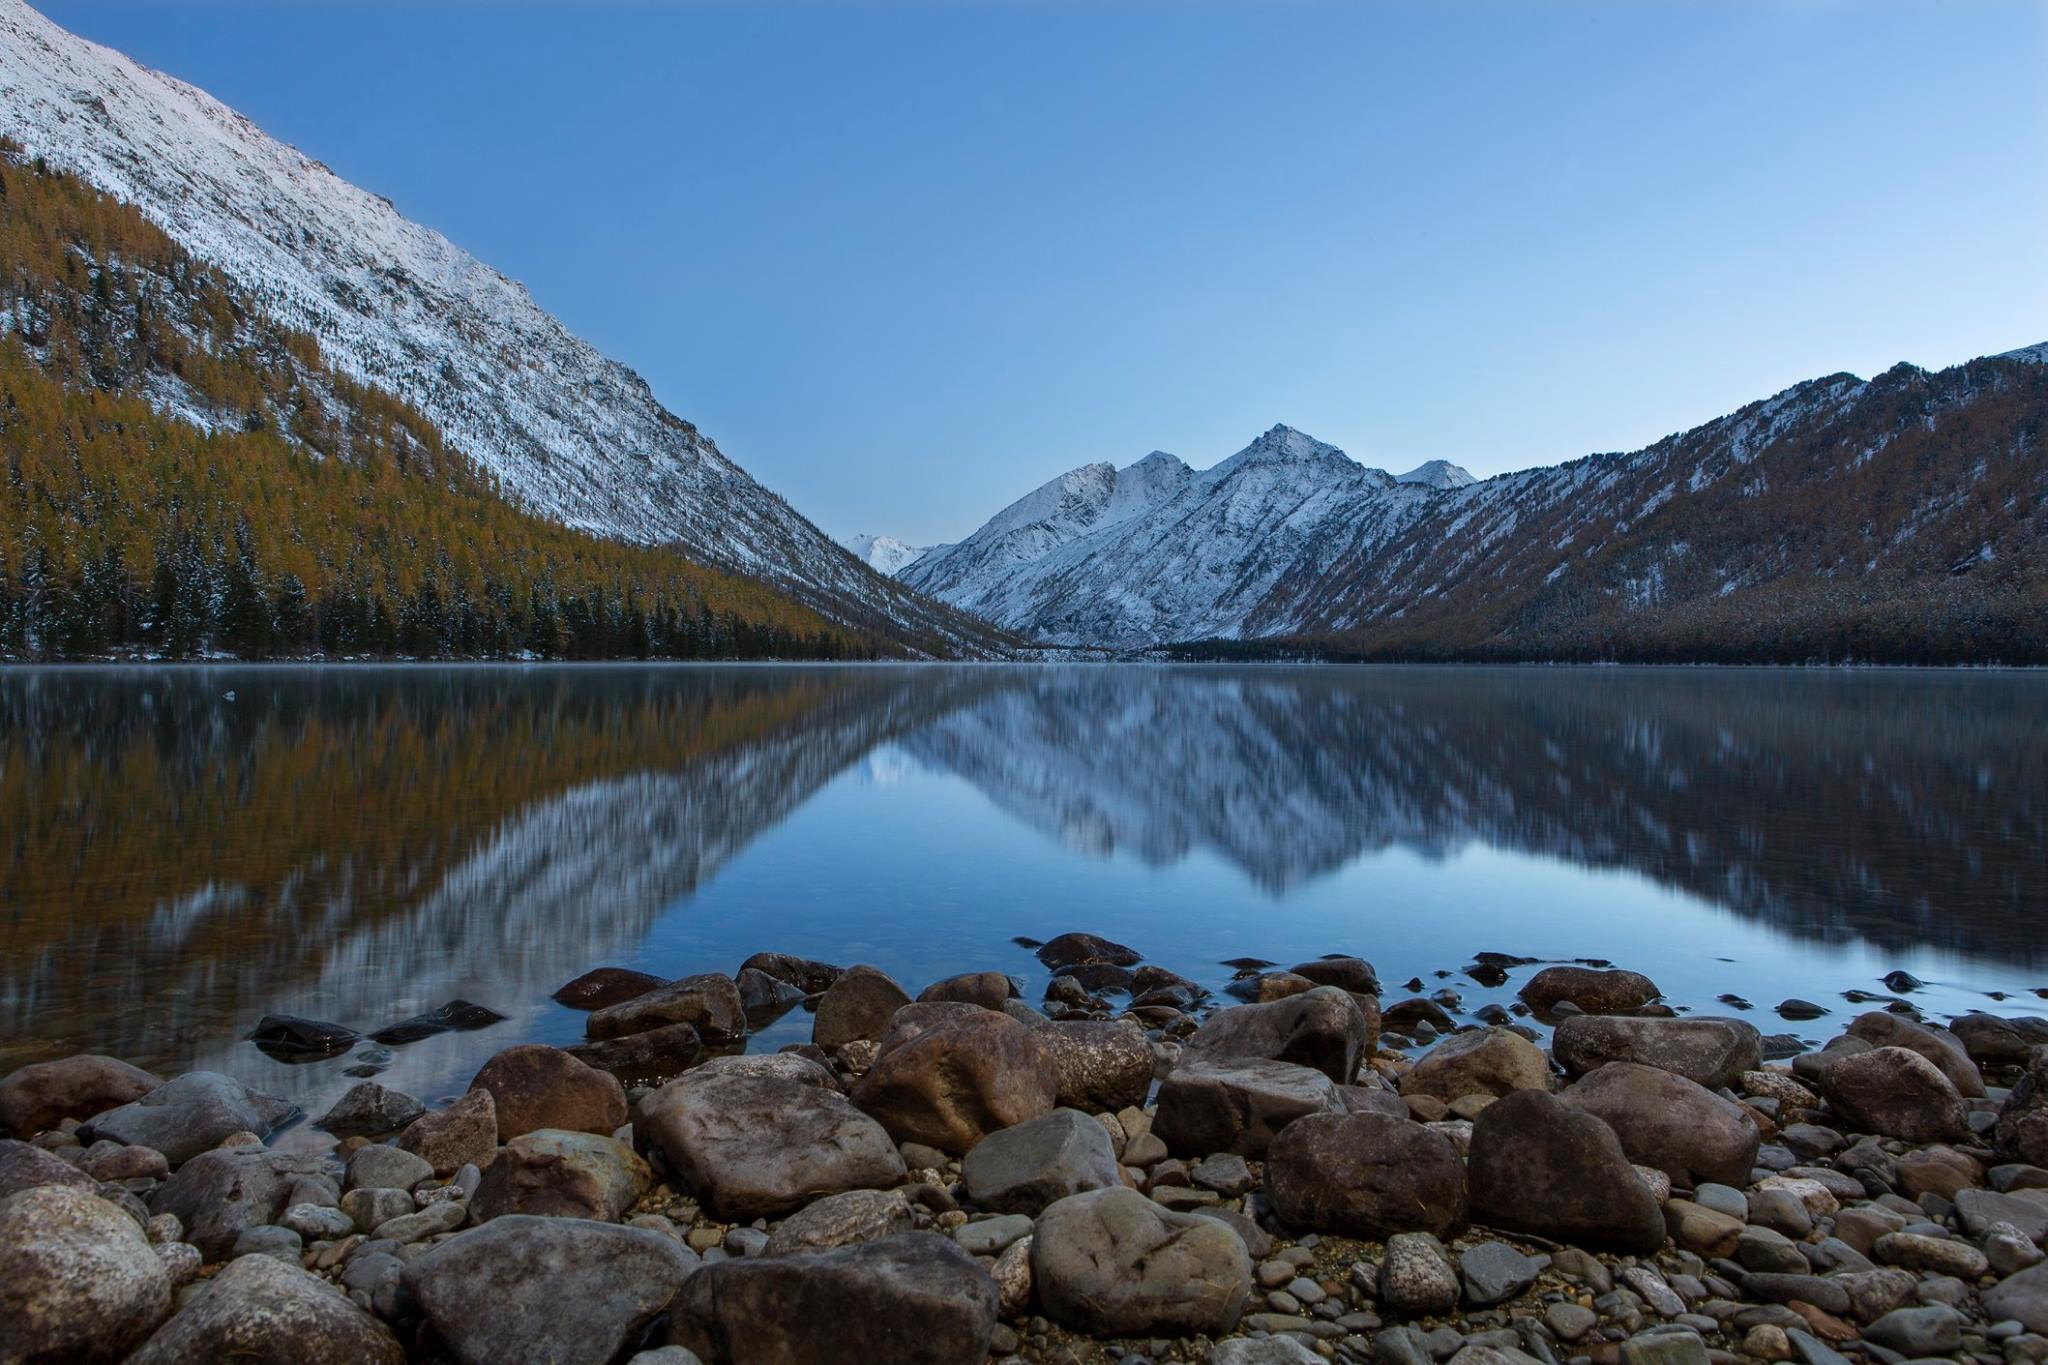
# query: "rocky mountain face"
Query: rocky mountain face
885,554
565,431
1899,517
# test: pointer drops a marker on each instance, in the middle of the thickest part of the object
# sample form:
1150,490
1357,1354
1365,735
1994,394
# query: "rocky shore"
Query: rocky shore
1310,1168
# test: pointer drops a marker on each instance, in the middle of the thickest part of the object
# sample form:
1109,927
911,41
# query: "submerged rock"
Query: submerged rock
647,1058
708,1002
457,1016
603,986
289,1038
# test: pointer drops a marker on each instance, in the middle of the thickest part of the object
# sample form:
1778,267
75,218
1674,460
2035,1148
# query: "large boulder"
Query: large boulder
1113,1263
1366,1176
1099,1065
915,1298
260,1311
565,1291
1072,950
1323,1028
649,1058
1709,1052
1882,1028
954,1083
1213,1104
463,1134
1022,1169
41,1095
1353,974
601,987
23,1167
709,1003
1894,1092
368,1109
219,1195
812,978
533,1087
765,998
186,1115
857,1007
78,1280
2021,1298
1540,1166
1995,1040
1591,989
1670,1123
2022,1127
986,989
753,1145
1490,1061
561,1174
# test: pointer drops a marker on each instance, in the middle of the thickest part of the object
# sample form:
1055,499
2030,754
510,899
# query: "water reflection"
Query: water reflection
185,850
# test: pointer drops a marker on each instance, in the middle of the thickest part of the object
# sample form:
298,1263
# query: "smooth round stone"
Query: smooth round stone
991,1236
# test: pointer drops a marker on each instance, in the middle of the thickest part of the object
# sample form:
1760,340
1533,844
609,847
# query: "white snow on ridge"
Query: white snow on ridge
568,432
1438,474
885,554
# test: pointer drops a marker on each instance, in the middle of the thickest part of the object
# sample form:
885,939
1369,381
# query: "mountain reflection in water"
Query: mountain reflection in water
187,849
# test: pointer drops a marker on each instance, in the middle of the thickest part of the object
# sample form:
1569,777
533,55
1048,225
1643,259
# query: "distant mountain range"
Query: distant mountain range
1902,517
885,554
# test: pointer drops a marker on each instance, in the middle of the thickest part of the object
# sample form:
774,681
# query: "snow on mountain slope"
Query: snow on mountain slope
568,432
1438,474
885,554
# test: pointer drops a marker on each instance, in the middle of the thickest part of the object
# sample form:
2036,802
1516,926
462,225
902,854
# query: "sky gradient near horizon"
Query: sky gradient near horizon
905,262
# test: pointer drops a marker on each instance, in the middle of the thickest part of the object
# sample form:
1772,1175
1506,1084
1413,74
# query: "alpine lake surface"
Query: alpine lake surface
184,850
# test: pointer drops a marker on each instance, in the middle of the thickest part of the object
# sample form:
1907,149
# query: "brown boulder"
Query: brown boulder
602,987
1489,1061
1882,1028
858,1006
2022,1128
1541,1167
534,1086
708,1002
954,1083
1711,1052
561,1174
1071,950
1365,1175
1324,1028
650,1058
807,976
37,1097
1895,1092
463,1134
1593,990
1671,1124
986,989
1100,1066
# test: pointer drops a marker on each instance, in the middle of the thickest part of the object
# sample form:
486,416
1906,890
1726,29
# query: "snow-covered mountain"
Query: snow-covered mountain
567,431
885,554
1843,515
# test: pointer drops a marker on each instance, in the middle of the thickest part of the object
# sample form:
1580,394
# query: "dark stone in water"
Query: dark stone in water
603,986
1413,983
1488,973
1248,964
1863,997
288,1038
1734,1001
457,1016
812,978
1022,942
764,998
1800,1009
1096,977
1069,950
1505,960
1902,981
1778,1046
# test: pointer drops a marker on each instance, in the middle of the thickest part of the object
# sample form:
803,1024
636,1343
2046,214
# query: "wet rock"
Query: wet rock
23,1167
859,1005
842,1220
457,1016
217,1195
1540,1166
960,1080
1992,1040
1323,1028
533,1087
1095,978
1365,1176
1417,1278
259,1311
1099,1066
1024,1168
289,1038
602,987
1881,1028
651,1057
1213,1104
1709,1052
1113,1263
708,1002
1490,1061
1798,1010
812,978
764,998
753,1145
1590,989
39,1096
463,1134
190,1113
563,1290
914,1298
1407,1015
1667,1122
378,1166
1895,1092
2022,1127
1070,950
986,989
561,1174
2021,1298
78,1280
1353,974
370,1110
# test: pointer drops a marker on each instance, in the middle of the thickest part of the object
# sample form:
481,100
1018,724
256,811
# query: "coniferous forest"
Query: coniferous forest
181,477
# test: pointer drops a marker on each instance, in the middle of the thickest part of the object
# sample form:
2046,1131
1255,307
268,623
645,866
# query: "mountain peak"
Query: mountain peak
1283,444
2033,355
1438,474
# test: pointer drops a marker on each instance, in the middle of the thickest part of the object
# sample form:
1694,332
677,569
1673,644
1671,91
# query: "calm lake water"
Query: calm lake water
183,850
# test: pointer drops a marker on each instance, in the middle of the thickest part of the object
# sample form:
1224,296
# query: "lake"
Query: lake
183,850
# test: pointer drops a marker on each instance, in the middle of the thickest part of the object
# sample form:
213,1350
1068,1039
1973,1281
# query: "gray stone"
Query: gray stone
41,1095
914,1298
1942,1255
2022,1297
371,1208
445,1216
218,1194
315,1222
23,1167
1099,1066
1980,1209
1417,1278
1024,1168
1664,1348
278,1243
1262,1351
1220,1104
370,1110
989,1236
382,1167
1936,1330
1568,1321
1707,1051
189,1114
564,1290
1322,1028
1494,1272
561,1174
78,1280
263,1312
1114,1263
708,1002
1365,1176
859,1005
844,1219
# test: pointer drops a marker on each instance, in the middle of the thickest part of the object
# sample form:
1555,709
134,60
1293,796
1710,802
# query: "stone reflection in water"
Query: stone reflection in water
1900,808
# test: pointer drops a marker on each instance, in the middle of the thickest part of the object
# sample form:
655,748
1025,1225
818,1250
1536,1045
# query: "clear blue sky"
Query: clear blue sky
905,262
